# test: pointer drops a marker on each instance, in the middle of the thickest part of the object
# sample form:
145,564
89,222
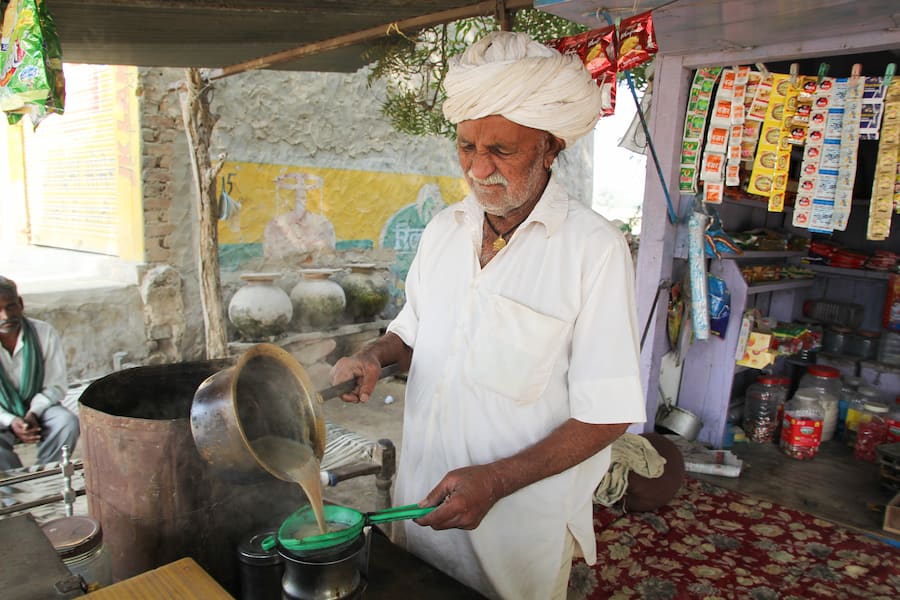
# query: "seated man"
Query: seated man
32,384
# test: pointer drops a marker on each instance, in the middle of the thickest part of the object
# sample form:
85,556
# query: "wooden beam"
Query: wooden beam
198,126
487,7
501,13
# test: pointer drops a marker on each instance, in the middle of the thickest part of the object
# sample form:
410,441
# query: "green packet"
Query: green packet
31,77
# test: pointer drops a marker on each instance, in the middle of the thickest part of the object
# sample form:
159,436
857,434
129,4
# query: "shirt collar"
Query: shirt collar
551,209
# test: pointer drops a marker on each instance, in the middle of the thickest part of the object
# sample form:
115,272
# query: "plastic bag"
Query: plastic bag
31,77
719,305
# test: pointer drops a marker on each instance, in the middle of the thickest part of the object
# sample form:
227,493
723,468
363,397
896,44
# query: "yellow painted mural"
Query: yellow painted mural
358,204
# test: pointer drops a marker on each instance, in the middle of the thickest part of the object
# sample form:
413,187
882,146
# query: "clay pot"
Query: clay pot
260,310
318,301
367,292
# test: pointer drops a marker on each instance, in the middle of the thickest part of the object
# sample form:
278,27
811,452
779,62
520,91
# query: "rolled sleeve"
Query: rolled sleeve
604,373
55,379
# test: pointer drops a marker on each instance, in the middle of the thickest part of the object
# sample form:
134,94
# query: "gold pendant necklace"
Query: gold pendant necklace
500,243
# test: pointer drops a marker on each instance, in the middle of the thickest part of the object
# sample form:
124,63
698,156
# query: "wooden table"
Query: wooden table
179,580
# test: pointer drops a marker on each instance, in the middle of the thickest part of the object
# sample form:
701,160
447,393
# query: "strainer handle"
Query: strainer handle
399,513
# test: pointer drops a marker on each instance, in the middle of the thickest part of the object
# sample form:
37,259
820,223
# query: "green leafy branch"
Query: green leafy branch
413,68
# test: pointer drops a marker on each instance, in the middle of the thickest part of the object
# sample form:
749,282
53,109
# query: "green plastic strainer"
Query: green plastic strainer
348,523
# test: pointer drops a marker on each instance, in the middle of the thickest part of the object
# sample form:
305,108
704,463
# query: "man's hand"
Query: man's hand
364,368
465,497
27,429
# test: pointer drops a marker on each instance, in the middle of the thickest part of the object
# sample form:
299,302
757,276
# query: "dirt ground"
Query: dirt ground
374,420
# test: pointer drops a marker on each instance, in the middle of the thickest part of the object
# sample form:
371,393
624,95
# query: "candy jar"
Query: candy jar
871,431
761,404
801,431
827,382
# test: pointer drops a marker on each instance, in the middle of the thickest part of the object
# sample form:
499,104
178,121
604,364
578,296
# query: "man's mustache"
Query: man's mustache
6,322
492,179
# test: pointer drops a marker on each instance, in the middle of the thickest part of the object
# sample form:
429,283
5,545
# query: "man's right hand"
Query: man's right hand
365,368
27,428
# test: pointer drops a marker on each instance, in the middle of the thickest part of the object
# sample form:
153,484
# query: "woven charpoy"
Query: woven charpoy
710,543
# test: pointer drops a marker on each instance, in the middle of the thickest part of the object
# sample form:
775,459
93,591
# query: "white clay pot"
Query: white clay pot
260,310
318,301
367,292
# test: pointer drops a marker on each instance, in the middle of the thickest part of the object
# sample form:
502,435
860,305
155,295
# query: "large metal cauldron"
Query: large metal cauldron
155,497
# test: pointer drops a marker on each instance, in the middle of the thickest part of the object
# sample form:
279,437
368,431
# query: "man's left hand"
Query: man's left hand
27,429
465,496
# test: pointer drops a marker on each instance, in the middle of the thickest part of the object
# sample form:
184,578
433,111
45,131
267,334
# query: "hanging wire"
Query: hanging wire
669,207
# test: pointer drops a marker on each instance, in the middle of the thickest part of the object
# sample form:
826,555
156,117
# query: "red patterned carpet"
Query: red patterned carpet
710,543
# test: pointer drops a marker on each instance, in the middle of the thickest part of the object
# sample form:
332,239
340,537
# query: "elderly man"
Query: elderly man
519,332
32,384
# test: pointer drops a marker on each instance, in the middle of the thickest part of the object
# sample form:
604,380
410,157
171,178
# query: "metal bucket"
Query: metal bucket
672,419
155,497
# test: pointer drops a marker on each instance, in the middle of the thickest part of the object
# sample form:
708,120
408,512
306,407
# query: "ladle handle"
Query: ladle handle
344,387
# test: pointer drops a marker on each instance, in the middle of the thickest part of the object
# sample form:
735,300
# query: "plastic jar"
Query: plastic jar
78,541
856,409
801,431
762,402
893,424
827,381
848,394
871,432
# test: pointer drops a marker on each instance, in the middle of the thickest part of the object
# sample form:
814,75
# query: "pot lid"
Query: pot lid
73,536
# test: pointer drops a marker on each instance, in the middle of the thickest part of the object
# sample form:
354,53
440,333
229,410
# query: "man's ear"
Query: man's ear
554,147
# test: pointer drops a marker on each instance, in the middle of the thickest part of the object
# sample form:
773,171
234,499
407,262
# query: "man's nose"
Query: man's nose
482,165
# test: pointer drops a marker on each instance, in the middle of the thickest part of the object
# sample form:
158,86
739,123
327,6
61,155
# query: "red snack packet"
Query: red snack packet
596,49
637,41
600,57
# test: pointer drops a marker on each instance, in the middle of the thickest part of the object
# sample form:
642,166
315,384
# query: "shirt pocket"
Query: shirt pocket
514,349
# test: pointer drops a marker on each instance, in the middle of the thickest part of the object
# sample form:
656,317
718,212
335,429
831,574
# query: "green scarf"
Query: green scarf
18,401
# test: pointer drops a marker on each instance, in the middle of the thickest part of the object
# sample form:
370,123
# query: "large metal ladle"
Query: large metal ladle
266,393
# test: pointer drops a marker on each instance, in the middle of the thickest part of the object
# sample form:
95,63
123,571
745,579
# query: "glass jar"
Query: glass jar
871,432
761,406
801,431
78,541
827,381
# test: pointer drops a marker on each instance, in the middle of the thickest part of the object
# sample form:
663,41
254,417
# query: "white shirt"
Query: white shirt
55,381
502,356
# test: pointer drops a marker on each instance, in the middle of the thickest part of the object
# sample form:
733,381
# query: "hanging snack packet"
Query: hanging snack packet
637,41
31,78
597,51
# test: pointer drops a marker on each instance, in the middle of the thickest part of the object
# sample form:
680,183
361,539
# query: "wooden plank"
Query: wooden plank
657,234
413,24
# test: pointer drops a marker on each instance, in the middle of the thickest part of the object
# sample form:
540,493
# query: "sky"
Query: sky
618,173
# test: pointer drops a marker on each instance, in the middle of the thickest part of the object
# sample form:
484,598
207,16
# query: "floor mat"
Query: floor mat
710,543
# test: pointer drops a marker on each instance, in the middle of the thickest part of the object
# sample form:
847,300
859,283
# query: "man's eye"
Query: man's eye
466,147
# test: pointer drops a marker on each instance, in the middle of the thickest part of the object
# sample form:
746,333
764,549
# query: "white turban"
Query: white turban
531,84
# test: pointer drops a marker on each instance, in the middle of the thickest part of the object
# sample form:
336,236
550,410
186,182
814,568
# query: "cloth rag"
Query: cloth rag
630,452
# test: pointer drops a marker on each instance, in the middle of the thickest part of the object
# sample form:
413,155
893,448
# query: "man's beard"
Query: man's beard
508,201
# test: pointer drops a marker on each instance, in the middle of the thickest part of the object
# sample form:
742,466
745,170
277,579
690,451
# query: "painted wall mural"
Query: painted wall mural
291,215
